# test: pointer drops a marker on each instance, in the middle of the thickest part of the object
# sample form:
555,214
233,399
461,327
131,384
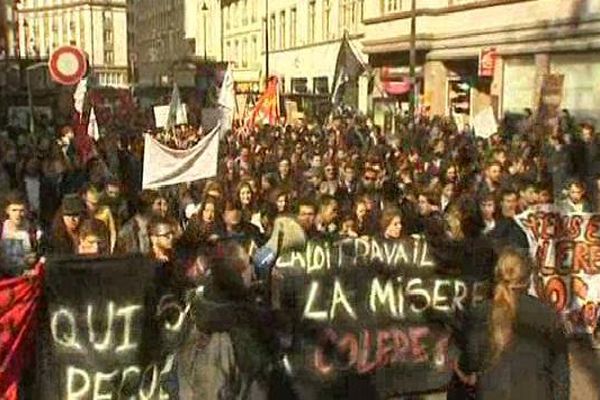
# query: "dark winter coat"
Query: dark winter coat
534,367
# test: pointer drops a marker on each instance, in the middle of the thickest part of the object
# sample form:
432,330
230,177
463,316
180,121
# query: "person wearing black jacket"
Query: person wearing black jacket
515,344
507,232
461,250
238,348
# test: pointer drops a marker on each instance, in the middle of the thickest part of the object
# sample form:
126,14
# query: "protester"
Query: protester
391,224
93,238
133,236
99,212
576,199
507,232
161,232
64,233
515,335
20,239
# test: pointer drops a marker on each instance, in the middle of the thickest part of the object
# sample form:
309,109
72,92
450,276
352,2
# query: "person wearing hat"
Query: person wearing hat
65,226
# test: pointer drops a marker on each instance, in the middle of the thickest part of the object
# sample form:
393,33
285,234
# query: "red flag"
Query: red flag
84,144
267,107
19,302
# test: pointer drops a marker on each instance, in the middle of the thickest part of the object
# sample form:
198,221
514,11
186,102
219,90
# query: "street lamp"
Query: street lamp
204,14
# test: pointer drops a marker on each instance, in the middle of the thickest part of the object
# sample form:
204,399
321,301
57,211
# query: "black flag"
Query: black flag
348,68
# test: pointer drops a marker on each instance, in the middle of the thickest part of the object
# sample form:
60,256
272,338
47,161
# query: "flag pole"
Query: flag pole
266,42
412,64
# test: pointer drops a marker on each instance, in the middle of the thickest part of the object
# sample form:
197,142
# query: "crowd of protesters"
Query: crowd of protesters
346,178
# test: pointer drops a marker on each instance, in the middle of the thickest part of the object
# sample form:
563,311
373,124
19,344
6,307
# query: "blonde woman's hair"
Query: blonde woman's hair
512,276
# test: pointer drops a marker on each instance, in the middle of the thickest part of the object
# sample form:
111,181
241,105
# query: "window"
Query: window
299,85
282,38
228,51
236,54
245,53
109,57
234,15
326,19
293,23
390,6
272,32
108,37
107,18
227,18
253,10
81,30
245,13
254,50
321,85
345,15
311,22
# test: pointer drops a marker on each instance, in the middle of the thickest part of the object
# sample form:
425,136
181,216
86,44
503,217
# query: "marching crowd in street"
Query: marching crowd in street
346,178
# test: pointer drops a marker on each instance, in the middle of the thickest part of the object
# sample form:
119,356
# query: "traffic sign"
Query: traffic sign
67,65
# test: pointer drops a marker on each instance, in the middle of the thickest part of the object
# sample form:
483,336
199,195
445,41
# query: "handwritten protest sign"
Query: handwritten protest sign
372,308
102,336
566,249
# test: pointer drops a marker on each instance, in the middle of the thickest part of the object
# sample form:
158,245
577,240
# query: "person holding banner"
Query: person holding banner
238,353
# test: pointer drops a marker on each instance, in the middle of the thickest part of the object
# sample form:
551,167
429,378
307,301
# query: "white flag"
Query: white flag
177,112
485,124
164,166
92,128
227,93
79,95
227,102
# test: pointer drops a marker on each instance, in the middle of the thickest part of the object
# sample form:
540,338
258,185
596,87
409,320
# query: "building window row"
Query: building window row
240,13
111,78
243,52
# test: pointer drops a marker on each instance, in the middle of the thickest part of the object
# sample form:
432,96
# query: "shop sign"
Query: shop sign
487,61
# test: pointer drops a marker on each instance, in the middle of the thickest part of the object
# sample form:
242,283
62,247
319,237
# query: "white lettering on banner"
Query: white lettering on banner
394,297
127,314
460,294
68,338
99,385
110,315
147,395
340,298
168,304
99,379
383,296
400,279
414,288
133,370
308,312
64,328
75,391
426,261
440,302
168,367
318,257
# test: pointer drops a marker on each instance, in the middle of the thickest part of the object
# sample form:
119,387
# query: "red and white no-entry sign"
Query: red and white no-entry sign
67,65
